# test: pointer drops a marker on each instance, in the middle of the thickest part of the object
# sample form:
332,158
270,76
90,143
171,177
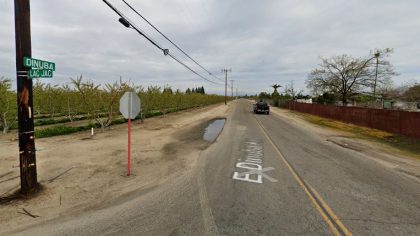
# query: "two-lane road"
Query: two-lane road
263,176
321,188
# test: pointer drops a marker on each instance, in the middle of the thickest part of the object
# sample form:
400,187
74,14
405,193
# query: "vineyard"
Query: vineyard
80,104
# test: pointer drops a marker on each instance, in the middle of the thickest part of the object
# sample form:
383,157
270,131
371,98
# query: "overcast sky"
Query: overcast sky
264,42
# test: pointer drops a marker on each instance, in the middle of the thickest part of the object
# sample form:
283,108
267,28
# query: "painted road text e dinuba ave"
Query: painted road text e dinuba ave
253,164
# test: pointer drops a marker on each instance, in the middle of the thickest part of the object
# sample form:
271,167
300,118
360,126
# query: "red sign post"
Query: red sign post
129,108
129,148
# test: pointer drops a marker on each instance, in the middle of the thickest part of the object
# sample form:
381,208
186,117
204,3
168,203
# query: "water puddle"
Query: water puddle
213,129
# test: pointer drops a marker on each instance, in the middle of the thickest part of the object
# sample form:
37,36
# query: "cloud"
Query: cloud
264,42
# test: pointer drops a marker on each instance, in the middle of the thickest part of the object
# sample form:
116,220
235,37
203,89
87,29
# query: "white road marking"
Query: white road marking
253,164
260,174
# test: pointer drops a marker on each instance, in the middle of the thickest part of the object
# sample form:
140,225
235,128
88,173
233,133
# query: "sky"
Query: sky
263,42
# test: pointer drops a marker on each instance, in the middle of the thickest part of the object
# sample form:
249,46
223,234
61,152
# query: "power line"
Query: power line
174,44
129,24
180,62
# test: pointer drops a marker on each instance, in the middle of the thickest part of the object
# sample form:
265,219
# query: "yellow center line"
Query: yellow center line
330,212
325,211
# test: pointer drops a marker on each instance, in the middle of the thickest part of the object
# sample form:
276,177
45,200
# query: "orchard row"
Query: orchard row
81,98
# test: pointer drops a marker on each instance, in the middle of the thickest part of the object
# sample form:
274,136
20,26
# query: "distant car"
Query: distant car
261,107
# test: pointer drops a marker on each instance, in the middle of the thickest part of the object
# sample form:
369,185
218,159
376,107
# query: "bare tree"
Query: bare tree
347,76
291,91
68,92
101,104
53,96
8,107
412,94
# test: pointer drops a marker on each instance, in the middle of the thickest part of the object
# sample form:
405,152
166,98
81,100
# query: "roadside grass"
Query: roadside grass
49,121
402,144
59,130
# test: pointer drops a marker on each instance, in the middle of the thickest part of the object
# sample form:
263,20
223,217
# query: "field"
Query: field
81,104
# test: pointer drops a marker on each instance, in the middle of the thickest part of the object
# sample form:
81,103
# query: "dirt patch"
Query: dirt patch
162,148
186,139
404,145
16,197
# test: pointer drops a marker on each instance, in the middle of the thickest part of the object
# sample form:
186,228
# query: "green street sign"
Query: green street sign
38,64
40,73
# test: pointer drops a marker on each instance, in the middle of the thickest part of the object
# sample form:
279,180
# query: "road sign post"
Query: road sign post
129,107
129,149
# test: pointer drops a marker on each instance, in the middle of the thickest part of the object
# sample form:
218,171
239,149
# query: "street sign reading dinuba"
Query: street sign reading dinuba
130,105
38,64
39,68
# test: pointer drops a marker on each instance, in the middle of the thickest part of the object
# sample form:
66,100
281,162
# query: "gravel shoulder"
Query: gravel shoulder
78,172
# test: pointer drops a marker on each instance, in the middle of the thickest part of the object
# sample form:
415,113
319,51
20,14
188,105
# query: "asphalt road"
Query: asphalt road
263,176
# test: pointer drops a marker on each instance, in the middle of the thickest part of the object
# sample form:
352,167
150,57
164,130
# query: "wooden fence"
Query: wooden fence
398,122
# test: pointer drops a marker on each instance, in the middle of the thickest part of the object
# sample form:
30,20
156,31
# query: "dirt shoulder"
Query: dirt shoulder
78,172
393,152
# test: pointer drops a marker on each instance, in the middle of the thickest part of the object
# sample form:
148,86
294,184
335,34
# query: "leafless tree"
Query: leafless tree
347,76
100,103
412,94
8,107
291,91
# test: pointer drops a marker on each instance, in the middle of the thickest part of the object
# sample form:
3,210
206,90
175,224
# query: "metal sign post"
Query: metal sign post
129,108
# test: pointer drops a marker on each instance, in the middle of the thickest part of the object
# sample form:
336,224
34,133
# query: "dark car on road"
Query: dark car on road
261,107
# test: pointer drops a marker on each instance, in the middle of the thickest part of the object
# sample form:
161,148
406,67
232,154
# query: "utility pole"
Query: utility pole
292,90
27,159
231,87
377,55
226,71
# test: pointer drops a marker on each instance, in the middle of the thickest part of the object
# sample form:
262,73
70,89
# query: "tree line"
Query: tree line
99,103
196,90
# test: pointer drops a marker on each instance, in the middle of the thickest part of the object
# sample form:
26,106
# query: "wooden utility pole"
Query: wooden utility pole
28,175
226,71
377,55
231,87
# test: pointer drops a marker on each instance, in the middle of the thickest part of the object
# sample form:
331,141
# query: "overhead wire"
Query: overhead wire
180,62
130,24
133,26
174,44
